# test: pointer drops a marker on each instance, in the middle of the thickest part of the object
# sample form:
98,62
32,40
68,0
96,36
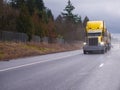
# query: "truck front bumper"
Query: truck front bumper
93,48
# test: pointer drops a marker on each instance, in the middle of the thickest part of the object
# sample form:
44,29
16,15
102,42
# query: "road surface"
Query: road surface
63,71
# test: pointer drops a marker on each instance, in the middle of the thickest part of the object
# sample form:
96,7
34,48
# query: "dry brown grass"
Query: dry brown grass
11,50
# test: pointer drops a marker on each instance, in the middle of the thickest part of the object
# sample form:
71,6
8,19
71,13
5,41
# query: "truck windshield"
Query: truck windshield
94,34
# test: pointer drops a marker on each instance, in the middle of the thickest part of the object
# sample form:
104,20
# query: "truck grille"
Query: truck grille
93,41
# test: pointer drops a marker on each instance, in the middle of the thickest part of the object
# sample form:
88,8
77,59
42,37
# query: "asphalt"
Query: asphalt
63,71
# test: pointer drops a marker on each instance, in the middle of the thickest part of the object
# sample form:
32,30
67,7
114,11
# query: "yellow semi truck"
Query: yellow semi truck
97,38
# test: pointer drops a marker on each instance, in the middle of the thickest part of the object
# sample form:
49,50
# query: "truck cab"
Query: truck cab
97,39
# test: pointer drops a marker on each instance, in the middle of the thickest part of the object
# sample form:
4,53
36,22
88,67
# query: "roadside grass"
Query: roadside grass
13,50
1,55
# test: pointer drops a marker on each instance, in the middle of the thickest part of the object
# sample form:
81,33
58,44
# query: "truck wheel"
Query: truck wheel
106,49
84,52
102,51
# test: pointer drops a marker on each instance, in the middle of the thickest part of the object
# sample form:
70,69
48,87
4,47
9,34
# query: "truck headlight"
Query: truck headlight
84,43
102,43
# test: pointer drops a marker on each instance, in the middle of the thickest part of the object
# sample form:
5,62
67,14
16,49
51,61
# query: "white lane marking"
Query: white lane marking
101,65
24,65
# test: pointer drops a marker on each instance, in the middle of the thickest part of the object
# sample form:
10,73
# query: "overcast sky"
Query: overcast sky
107,10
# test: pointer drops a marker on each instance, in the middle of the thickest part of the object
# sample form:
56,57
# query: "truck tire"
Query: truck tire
102,51
84,52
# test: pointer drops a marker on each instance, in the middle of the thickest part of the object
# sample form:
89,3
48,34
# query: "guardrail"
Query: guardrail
22,37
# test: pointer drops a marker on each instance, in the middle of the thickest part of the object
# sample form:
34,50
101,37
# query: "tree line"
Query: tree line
33,18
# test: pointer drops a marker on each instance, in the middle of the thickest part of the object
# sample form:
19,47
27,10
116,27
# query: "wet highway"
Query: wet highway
63,71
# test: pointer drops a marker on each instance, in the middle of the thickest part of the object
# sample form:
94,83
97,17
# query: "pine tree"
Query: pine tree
17,3
70,25
1,13
68,15
49,14
31,6
59,19
85,21
77,19
1,6
24,22
39,5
